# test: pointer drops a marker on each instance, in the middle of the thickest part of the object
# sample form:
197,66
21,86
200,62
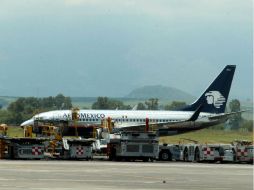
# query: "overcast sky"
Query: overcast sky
109,47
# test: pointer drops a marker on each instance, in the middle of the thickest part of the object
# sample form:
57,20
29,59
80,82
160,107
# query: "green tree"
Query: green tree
5,116
116,104
236,119
174,105
101,103
62,102
234,105
152,104
247,126
24,108
106,104
141,106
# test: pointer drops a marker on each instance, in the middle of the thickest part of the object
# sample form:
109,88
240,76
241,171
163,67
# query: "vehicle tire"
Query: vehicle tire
112,154
165,156
145,159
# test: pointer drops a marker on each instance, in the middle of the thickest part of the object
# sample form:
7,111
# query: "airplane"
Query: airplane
206,111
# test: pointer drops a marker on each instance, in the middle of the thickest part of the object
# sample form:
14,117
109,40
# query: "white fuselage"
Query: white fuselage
121,118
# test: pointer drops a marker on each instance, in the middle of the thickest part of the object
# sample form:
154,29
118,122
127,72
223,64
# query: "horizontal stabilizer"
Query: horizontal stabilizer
225,116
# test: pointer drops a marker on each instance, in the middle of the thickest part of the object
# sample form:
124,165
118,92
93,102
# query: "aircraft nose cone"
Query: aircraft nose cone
27,123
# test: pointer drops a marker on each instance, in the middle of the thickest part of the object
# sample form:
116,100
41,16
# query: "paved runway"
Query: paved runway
104,175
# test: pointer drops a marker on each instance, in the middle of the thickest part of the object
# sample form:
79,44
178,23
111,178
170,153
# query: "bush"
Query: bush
247,126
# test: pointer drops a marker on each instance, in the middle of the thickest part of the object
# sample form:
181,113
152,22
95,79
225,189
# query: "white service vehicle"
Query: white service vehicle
243,151
206,152
133,146
77,148
229,153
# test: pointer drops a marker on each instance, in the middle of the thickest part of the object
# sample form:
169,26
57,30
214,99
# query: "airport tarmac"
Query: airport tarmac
105,175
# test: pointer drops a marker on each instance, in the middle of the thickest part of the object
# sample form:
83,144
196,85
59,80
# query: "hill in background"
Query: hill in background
164,94
160,92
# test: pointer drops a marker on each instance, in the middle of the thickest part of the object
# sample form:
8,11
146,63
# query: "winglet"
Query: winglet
196,113
135,107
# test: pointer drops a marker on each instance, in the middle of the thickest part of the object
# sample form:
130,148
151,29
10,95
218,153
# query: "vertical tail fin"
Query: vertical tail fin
215,97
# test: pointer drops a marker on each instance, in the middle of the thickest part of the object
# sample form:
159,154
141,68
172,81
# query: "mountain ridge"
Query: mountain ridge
160,92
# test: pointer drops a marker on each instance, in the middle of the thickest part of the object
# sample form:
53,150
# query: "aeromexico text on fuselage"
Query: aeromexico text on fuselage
126,116
85,116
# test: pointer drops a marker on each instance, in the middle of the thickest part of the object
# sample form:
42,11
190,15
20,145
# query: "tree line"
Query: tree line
24,108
